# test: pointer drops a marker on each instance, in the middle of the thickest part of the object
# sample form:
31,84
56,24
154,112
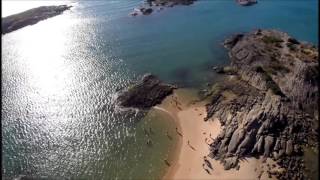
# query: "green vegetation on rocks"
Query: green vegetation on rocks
271,39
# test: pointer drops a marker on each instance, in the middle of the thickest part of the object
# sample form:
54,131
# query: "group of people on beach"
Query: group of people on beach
176,102
166,160
149,132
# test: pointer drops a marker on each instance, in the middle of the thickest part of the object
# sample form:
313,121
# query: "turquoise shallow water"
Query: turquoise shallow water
60,76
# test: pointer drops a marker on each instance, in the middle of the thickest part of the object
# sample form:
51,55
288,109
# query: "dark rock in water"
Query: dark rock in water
170,3
219,70
293,41
246,2
147,93
225,70
215,68
134,14
229,43
146,9
30,17
267,108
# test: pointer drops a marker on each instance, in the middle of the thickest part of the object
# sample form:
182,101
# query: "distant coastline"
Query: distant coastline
30,17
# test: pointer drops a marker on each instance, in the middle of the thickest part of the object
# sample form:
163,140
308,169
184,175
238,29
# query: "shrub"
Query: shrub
269,82
291,46
271,40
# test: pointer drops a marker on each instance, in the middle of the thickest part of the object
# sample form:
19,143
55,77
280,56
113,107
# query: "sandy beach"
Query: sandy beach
192,148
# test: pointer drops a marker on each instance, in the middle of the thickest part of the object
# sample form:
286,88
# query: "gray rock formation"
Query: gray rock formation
30,17
147,8
247,2
269,106
145,94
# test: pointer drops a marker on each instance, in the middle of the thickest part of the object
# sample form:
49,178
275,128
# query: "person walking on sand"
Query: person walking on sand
145,132
168,135
166,161
211,137
178,132
191,146
149,142
206,141
207,171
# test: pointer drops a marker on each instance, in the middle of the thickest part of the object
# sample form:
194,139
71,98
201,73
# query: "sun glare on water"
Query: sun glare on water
44,47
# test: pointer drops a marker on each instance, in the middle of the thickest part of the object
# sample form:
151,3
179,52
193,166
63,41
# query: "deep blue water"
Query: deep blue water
60,76
179,44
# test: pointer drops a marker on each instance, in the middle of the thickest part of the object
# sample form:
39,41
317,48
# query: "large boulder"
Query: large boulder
149,92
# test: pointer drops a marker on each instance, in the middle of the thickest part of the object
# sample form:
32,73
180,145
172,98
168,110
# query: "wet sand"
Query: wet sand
188,159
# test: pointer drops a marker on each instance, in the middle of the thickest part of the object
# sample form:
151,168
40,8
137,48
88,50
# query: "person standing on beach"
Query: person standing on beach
178,132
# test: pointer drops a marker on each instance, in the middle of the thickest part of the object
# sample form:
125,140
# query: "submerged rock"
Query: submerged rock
30,17
149,92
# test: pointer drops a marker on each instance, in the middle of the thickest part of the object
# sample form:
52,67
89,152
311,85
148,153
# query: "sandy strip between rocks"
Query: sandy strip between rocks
188,159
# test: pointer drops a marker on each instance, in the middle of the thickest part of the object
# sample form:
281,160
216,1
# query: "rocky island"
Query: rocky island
149,6
30,17
267,104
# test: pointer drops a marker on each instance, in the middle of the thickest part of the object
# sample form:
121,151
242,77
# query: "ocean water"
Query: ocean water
60,78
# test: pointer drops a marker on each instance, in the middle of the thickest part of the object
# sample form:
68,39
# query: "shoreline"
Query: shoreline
30,17
186,160
174,156
253,105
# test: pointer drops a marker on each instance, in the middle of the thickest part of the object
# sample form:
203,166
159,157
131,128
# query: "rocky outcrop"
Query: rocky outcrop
149,6
149,92
268,106
30,17
247,2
